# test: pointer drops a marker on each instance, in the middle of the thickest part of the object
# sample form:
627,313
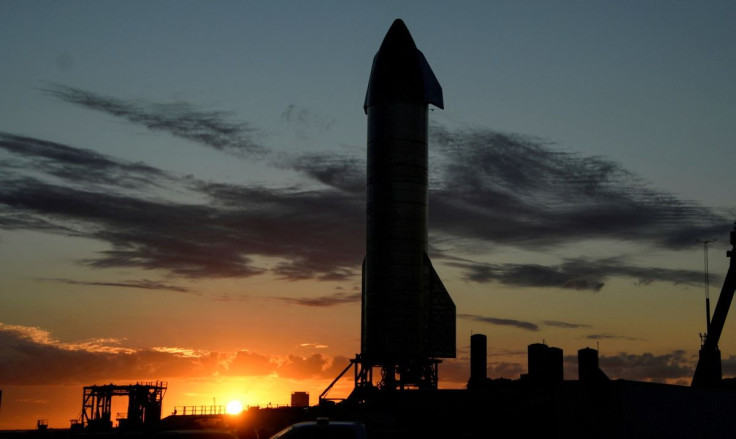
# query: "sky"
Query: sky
182,189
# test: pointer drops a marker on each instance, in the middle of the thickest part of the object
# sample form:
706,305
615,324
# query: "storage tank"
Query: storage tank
545,364
587,364
478,359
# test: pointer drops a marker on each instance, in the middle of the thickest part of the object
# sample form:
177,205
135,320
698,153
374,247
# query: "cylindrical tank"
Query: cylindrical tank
587,364
545,364
555,372
478,358
537,361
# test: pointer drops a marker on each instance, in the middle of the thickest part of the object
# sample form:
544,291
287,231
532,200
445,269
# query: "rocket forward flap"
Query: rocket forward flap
432,87
441,319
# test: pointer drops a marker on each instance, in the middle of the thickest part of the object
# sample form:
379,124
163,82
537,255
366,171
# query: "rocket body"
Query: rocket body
408,316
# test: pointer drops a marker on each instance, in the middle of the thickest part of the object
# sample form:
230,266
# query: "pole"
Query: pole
706,282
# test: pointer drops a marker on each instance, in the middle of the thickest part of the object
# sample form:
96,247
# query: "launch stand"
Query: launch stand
411,375
416,375
144,405
420,374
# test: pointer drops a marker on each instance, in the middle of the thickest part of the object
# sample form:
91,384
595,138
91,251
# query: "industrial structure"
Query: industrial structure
300,399
144,405
708,371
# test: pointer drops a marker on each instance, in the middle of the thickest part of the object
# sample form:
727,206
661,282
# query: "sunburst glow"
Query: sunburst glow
234,407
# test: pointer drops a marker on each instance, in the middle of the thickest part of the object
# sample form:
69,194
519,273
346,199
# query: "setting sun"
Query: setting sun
234,407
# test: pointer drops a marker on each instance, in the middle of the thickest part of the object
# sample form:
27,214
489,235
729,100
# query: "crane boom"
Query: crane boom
708,370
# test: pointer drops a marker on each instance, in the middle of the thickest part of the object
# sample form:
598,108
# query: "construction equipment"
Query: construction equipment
708,370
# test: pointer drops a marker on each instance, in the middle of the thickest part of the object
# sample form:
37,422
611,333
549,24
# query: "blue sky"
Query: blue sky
208,158
636,82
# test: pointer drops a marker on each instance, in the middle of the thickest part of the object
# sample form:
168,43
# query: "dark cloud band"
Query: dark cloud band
576,274
528,326
487,188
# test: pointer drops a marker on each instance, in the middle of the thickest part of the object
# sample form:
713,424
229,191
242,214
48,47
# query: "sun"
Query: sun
234,407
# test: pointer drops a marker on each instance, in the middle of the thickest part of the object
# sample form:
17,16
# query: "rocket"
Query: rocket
408,317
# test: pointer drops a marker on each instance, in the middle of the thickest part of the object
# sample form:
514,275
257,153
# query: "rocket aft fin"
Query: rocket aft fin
441,318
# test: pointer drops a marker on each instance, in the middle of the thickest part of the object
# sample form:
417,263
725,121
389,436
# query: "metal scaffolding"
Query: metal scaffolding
144,405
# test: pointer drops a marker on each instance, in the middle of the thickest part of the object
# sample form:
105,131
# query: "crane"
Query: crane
708,370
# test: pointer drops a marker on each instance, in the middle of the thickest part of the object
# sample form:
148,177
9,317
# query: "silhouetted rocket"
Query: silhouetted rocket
408,316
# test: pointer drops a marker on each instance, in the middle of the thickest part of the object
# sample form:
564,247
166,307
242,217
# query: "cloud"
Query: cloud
564,325
674,367
297,367
144,284
306,118
324,301
310,232
648,367
528,326
143,233
505,370
76,165
487,188
577,274
492,187
458,370
728,366
32,356
313,345
313,366
247,363
612,337
210,128
338,171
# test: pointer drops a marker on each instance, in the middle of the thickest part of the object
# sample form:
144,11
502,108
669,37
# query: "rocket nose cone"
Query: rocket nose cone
398,38
400,73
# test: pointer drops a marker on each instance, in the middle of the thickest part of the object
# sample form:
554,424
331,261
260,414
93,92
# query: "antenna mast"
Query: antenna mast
706,280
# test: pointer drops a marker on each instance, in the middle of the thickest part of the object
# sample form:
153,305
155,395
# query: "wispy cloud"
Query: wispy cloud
310,232
31,156
612,337
215,129
486,188
144,284
313,345
577,274
528,326
339,171
306,119
519,191
323,301
41,337
564,325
